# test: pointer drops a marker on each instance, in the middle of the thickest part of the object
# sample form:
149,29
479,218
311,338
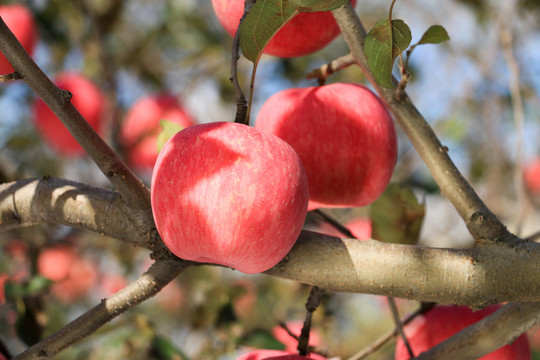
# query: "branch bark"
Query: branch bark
480,221
133,190
147,285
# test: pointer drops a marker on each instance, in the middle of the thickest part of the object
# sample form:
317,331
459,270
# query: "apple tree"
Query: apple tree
333,178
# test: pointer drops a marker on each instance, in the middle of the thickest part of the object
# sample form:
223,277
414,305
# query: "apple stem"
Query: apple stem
313,301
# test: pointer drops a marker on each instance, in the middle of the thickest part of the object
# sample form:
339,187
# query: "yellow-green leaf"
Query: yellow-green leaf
434,35
317,5
168,129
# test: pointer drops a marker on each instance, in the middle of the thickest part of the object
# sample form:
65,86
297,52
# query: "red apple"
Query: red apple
87,98
359,227
141,128
277,354
302,35
291,343
20,21
531,176
228,194
344,136
441,322
3,280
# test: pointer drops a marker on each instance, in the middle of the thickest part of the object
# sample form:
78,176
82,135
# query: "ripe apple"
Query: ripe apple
291,343
344,136
141,128
531,176
228,194
277,355
87,98
360,227
441,322
20,21
302,35
73,275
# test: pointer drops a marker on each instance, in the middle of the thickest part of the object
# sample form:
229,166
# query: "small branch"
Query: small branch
147,285
241,102
324,72
480,221
377,344
57,201
334,223
133,190
10,77
399,327
496,330
313,301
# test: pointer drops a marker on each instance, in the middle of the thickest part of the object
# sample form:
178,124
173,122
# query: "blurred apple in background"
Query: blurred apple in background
228,194
360,227
441,322
531,176
88,100
277,354
20,21
73,275
344,136
302,35
141,127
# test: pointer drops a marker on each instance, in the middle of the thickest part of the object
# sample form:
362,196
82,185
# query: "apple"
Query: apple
88,100
3,280
344,136
306,33
360,227
531,176
20,21
228,194
73,275
441,322
277,354
291,343
141,128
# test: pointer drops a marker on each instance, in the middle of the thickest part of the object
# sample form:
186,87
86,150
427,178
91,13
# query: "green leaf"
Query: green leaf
317,5
383,44
165,349
397,216
434,35
263,20
169,128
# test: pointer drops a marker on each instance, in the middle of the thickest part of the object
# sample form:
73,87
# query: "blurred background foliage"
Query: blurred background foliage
133,48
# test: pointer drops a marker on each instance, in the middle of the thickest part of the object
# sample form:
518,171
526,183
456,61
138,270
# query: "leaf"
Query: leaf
397,216
169,128
263,20
165,349
383,44
317,5
434,35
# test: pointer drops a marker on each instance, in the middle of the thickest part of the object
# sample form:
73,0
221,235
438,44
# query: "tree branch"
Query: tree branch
134,192
480,221
475,277
147,285
57,201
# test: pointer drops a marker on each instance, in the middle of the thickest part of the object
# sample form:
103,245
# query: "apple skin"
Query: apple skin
141,128
291,343
344,136
305,34
88,100
360,227
20,21
277,354
441,322
228,194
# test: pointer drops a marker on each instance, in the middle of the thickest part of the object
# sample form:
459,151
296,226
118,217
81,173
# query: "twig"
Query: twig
324,72
377,344
399,326
336,224
133,190
480,221
241,102
147,285
10,77
313,301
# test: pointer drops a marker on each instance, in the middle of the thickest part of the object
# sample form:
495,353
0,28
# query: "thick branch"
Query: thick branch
147,285
57,201
475,277
134,192
500,328
481,222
